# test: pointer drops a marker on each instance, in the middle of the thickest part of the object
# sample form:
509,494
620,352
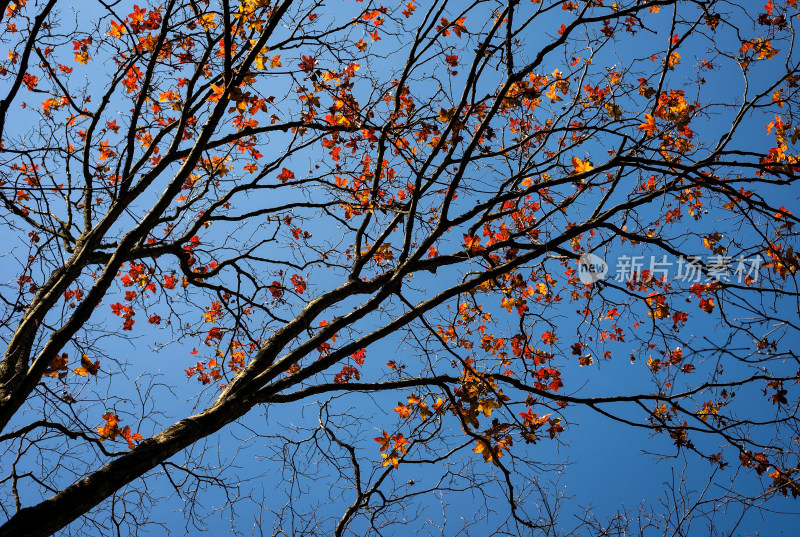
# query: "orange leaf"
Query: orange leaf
581,166
649,125
549,337
403,410
87,367
286,175
707,304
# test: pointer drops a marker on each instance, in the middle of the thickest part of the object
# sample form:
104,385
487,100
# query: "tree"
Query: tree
220,210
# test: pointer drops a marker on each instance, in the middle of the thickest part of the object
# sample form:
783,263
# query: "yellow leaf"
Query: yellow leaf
445,115
218,91
390,458
207,21
487,406
673,60
551,93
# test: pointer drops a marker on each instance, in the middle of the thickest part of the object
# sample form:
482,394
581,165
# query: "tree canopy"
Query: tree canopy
393,255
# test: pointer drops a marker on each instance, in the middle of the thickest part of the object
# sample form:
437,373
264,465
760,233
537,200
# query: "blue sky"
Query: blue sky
608,467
